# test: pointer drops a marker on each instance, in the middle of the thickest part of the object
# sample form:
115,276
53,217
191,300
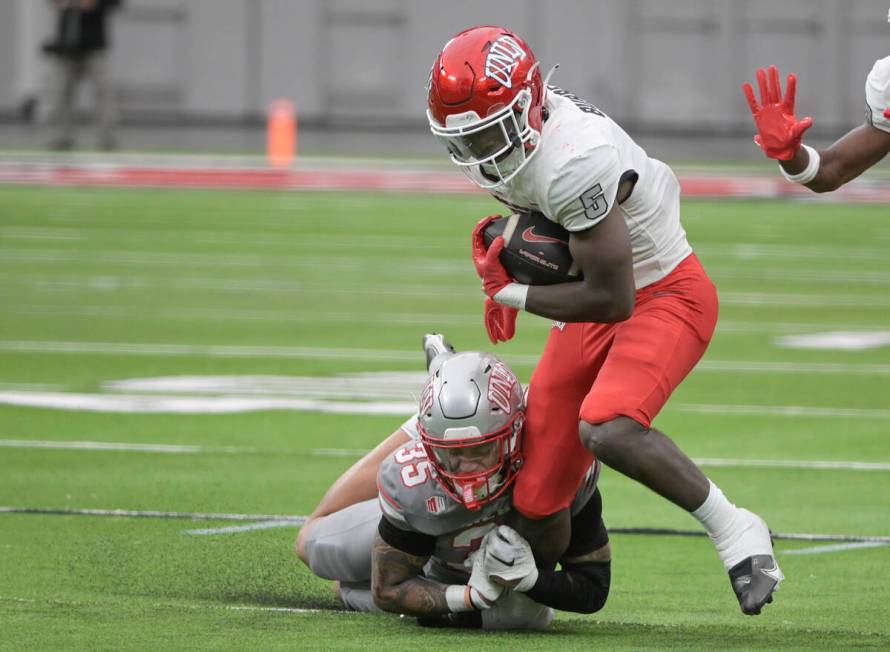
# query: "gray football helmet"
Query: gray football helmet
470,422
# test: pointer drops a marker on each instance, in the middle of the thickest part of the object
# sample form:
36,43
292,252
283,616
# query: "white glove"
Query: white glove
508,560
483,591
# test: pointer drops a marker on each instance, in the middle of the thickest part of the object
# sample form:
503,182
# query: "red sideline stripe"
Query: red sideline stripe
383,180
335,179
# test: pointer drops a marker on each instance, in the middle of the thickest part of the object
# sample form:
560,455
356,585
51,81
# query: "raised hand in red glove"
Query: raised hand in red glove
500,321
779,130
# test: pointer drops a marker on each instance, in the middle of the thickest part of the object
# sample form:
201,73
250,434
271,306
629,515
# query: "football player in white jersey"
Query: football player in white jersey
628,333
442,498
779,132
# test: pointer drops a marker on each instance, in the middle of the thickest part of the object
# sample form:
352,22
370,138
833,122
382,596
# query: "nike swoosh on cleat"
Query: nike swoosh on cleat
773,572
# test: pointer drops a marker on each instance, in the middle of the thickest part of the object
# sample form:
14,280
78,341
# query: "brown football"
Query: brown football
536,250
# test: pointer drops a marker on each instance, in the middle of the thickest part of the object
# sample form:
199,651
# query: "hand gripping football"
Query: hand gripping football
536,250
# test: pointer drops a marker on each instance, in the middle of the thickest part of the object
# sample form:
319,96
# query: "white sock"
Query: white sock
737,533
716,514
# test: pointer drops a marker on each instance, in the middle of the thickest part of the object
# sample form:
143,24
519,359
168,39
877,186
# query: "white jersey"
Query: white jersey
573,179
877,94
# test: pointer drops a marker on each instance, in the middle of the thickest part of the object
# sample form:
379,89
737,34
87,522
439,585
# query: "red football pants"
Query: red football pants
597,372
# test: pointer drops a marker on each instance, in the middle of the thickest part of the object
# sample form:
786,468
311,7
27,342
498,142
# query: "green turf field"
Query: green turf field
100,288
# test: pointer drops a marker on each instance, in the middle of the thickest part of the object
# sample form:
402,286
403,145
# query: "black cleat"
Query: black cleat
434,345
754,580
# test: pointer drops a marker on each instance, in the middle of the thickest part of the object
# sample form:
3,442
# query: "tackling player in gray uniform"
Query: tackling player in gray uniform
442,502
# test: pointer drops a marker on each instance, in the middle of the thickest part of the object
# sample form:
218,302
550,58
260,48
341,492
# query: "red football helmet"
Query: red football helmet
486,98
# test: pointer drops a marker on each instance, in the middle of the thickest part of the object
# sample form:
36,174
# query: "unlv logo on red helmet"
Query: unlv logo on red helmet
486,102
501,61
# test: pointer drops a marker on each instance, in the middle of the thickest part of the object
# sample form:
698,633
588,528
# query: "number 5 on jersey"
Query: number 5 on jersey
594,203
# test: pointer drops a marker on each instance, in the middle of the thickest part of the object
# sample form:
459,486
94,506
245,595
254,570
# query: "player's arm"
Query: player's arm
398,585
583,197
397,581
359,482
582,583
847,158
779,132
607,292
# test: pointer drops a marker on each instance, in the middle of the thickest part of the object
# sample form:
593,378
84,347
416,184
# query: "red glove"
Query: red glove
479,248
779,131
500,321
491,271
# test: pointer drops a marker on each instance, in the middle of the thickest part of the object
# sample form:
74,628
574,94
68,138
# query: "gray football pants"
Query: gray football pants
339,548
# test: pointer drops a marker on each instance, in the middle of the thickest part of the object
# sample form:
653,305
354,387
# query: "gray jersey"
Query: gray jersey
412,499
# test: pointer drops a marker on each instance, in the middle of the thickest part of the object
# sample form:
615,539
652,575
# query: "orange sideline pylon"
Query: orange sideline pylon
281,133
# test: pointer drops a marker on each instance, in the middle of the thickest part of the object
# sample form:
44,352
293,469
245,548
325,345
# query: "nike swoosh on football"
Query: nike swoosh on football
529,235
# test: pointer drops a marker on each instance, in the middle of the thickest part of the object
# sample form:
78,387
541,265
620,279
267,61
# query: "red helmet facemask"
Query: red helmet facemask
475,471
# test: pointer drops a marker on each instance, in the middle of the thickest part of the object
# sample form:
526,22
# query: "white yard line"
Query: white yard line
177,605
229,404
250,527
88,281
867,277
284,610
298,520
839,547
98,446
296,316
338,452
805,368
749,251
184,449
181,449
221,261
804,300
392,355
783,410
135,513
175,404
212,351
833,465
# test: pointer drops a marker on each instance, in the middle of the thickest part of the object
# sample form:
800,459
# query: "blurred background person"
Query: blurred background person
78,51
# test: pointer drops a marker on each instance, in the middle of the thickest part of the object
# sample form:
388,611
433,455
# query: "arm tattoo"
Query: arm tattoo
398,584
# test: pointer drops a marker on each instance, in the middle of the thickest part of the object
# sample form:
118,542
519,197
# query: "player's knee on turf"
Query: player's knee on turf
338,546
300,541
